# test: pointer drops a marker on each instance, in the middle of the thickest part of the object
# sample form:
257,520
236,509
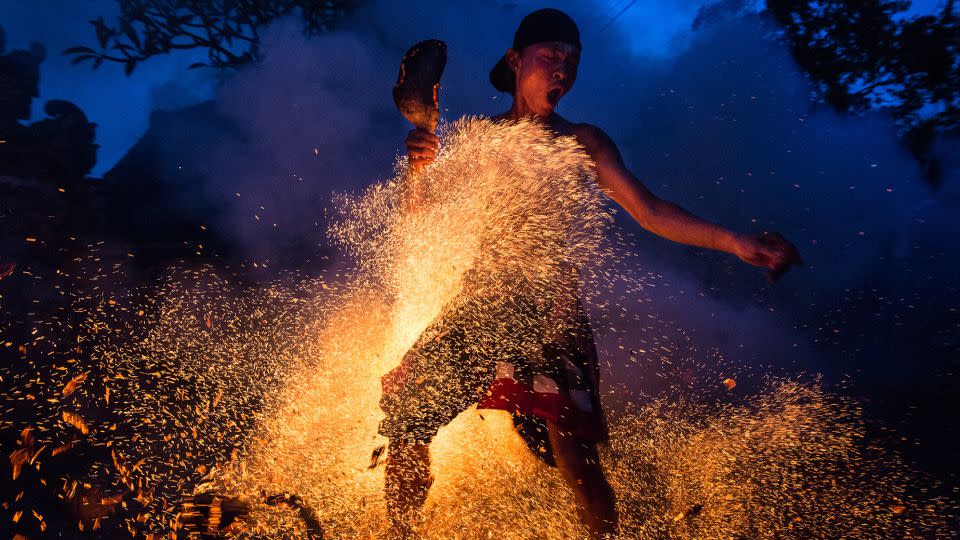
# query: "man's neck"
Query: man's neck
521,109
518,112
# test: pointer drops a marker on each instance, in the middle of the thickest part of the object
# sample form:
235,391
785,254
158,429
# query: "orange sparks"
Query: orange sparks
76,421
74,383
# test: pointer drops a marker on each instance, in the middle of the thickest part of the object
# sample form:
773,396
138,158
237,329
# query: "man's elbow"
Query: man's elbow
646,214
642,207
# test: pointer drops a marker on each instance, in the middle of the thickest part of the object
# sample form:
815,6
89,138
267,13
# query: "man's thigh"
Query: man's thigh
436,380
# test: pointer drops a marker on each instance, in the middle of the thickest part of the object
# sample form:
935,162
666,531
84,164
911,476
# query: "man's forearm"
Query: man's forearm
661,217
668,220
413,196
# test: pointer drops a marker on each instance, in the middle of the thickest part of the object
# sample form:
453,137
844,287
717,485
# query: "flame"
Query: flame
278,401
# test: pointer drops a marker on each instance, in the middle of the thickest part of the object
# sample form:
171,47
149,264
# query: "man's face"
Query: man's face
545,73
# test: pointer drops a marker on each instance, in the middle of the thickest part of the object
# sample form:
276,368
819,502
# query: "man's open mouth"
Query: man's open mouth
553,96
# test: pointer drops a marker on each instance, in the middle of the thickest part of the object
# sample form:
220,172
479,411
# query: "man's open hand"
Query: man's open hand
421,148
770,250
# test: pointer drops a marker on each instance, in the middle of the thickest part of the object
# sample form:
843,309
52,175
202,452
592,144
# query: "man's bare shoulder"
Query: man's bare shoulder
594,140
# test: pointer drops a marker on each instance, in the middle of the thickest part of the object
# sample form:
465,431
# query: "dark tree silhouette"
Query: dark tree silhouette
867,54
229,30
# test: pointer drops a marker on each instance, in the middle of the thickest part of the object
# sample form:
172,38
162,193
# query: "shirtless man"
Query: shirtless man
538,71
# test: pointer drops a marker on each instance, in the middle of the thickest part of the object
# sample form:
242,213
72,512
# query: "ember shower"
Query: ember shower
243,392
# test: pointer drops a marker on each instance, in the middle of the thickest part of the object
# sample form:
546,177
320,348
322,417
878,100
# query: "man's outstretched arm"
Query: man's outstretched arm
668,220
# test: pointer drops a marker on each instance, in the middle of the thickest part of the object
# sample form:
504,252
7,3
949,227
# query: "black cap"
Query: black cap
542,25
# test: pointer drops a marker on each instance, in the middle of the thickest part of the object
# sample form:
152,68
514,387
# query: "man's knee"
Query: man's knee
407,430
408,454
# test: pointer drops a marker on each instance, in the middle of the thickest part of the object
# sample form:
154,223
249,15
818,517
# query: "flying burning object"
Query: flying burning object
415,93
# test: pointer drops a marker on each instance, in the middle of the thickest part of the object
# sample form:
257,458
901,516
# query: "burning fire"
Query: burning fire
259,404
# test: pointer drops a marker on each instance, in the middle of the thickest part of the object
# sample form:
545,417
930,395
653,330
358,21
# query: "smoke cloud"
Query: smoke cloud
723,126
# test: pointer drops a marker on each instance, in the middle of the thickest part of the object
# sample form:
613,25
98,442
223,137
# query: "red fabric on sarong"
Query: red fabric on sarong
574,408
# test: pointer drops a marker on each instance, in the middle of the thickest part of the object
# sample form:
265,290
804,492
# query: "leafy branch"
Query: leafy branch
229,30
868,54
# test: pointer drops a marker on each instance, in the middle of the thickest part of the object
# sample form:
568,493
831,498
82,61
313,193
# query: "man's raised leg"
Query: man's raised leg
407,482
580,466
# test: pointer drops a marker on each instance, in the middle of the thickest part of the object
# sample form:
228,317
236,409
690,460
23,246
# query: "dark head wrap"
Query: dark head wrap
540,26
